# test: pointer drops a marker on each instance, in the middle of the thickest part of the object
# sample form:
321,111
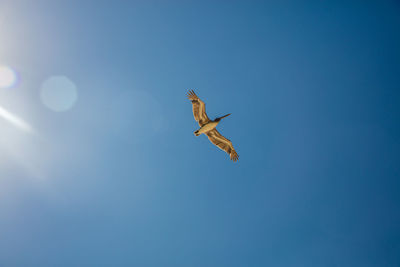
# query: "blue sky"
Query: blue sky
119,179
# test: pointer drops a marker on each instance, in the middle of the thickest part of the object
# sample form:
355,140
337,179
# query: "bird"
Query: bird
207,126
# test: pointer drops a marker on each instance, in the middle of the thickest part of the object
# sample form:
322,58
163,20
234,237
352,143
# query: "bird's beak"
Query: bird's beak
225,116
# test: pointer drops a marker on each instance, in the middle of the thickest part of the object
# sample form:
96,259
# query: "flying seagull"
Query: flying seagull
207,126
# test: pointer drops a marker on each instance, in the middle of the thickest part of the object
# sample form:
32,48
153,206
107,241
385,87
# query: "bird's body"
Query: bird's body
207,126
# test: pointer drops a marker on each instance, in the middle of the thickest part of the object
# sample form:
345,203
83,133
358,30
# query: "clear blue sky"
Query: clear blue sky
120,180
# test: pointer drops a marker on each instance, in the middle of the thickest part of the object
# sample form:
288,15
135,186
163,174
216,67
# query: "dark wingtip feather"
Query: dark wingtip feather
234,156
191,94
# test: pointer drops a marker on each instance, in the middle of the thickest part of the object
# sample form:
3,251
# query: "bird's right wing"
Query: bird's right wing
199,108
223,143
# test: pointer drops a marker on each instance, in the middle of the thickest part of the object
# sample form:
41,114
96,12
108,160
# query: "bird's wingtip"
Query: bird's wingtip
191,94
234,156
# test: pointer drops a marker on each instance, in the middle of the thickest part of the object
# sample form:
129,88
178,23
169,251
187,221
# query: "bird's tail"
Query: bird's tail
196,133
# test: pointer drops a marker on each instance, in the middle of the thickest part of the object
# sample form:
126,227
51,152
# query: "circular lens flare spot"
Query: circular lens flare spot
8,77
58,93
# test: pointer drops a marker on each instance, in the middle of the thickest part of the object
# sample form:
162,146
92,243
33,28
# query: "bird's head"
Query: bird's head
220,118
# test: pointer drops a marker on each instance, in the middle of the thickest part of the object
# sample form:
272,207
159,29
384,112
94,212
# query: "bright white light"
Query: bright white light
11,118
8,77
58,93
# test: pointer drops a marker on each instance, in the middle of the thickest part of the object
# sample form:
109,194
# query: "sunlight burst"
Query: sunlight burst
16,121
8,77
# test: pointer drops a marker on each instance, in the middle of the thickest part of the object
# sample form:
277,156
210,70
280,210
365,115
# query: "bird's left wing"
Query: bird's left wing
223,143
199,108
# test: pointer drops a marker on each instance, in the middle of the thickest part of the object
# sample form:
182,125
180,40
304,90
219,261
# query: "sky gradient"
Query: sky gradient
119,179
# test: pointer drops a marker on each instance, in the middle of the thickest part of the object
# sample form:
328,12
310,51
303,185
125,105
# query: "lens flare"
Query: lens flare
58,93
16,121
8,77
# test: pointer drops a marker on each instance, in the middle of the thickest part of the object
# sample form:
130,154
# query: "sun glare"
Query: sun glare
8,77
59,93
14,120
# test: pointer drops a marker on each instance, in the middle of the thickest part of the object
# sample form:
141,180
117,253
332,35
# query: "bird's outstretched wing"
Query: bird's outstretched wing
223,143
199,108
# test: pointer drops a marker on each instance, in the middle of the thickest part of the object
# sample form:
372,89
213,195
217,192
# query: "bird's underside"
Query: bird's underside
207,126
